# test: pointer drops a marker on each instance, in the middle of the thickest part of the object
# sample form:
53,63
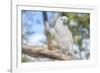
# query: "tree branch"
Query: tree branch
44,52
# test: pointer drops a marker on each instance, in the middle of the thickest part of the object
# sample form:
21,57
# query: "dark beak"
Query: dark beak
65,22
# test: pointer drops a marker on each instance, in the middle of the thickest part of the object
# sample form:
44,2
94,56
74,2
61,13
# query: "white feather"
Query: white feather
63,35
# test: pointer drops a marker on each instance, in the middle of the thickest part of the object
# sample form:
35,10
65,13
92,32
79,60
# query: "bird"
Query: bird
63,36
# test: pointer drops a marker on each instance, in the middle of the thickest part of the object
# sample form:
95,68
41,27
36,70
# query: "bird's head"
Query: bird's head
64,20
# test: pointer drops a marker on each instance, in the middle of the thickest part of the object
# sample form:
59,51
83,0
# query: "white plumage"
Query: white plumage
63,36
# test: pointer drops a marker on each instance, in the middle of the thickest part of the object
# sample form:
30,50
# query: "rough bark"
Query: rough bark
47,29
44,52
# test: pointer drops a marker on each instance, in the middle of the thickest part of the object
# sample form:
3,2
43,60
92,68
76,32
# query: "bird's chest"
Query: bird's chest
63,33
64,36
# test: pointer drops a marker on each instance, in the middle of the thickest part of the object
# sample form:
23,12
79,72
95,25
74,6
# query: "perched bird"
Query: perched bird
63,35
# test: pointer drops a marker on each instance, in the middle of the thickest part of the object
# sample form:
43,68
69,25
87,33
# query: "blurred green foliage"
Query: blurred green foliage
81,30
83,22
24,58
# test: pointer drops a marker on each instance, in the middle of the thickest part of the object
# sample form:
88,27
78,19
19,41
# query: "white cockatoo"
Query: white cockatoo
63,35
